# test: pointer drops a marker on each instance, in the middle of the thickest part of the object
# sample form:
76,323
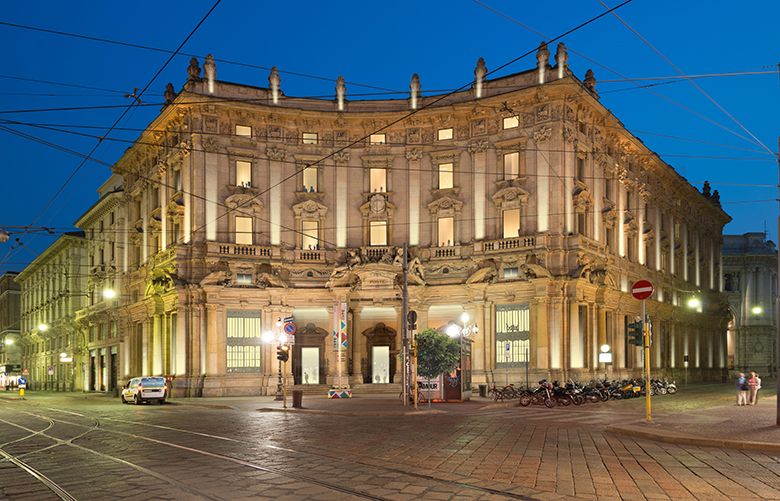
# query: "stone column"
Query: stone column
684,231
413,158
212,341
163,201
478,162
181,358
276,156
342,183
212,190
541,140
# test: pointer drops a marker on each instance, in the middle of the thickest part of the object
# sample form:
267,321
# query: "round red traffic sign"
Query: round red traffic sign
642,289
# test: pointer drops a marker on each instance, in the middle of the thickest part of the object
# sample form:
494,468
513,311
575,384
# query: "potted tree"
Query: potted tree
437,353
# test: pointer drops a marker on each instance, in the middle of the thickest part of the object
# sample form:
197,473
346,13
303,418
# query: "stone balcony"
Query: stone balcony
241,250
310,255
505,245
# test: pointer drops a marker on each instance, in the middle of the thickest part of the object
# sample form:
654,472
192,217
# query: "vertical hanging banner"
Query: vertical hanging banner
343,326
335,336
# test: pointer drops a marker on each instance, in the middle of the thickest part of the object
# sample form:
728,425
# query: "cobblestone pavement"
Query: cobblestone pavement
96,448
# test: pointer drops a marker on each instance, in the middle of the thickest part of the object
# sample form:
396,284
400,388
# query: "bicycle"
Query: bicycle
420,397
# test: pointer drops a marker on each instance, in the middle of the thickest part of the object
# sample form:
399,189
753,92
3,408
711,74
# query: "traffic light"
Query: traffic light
282,353
635,335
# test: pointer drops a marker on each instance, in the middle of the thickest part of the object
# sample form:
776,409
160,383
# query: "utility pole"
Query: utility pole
405,325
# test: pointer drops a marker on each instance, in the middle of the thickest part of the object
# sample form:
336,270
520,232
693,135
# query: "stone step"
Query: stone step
377,389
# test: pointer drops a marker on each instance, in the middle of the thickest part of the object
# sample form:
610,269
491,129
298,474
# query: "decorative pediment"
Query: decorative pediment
510,197
245,203
309,209
372,161
445,206
377,207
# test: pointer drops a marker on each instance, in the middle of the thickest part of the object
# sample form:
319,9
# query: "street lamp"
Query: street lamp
757,310
280,339
43,327
694,303
109,293
462,332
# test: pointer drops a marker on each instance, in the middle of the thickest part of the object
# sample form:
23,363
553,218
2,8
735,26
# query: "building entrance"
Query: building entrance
310,365
380,364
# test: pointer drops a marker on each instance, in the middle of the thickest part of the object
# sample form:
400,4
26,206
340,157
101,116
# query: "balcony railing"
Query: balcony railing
310,255
505,244
375,253
229,249
445,252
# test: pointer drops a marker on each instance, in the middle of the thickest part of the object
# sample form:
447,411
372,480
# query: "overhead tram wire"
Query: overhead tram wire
691,81
185,54
121,116
611,70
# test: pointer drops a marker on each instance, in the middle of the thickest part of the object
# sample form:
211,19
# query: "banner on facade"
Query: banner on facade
343,326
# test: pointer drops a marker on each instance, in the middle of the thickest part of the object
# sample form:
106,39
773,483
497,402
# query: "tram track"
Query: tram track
422,476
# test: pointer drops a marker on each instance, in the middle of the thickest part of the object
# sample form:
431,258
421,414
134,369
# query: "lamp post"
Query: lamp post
462,332
280,339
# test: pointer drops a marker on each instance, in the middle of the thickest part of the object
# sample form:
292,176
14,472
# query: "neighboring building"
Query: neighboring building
525,203
750,283
10,310
53,288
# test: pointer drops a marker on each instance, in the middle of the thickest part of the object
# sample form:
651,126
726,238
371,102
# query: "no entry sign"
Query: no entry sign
642,289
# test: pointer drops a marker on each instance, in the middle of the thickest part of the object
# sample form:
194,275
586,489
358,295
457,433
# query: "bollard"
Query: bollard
297,399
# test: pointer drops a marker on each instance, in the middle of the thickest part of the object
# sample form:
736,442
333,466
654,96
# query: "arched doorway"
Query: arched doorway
309,364
379,364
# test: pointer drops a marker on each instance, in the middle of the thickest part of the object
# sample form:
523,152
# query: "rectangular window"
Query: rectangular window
580,169
511,223
511,122
513,334
377,233
446,231
511,273
512,165
310,179
243,230
444,134
310,238
244,278
608,189
310,138
243,130
243,173
582,223
377,139
177,184
244,348
446,176
378,180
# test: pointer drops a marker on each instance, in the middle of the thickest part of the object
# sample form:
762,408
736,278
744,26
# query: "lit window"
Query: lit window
244,278
378,180
511,223
512,165
510,273
243,130
310,138
377,233
310,179
446,180
243,173
244,230
446,231
377,139
310,238
511,122
444,134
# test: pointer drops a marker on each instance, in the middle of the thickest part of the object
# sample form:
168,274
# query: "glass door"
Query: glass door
310,365
380,364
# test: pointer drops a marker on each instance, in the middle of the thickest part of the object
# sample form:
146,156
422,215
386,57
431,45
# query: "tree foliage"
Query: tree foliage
437,353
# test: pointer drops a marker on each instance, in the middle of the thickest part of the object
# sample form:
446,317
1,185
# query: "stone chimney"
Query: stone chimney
414,91
590,83
341,91
210,72
479,76
542,58
274,83
561,59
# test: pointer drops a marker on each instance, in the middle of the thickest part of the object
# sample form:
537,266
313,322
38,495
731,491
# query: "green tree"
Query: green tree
437,353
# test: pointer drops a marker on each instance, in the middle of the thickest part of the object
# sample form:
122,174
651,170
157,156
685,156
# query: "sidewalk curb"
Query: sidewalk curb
354,414
670,437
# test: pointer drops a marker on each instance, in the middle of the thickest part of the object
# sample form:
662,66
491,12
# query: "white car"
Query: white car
144,389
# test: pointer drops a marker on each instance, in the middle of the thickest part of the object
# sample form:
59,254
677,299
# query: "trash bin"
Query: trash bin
297,398
483,390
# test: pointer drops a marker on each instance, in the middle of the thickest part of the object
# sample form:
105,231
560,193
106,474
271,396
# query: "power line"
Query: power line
692,82
116,122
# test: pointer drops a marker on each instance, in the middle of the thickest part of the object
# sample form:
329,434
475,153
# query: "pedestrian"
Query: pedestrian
758,387
752,387
742,389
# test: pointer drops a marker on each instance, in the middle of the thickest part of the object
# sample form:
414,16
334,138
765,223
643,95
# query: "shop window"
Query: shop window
244,347
513,330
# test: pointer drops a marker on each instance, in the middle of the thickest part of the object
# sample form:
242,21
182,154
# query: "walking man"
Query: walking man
742,389
752,387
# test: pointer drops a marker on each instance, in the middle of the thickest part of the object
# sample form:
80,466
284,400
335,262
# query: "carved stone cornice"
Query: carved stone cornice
309,209
445,206
274,153
414,154
542,134
246,203
510,197
478,146
341,157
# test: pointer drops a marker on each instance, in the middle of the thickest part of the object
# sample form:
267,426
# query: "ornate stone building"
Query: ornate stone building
750,283
524,201
53,289
10,310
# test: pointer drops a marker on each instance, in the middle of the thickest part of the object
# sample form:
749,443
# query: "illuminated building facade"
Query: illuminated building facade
524,201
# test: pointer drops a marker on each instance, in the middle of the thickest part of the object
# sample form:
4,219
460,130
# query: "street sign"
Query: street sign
642,289
289,328
508,350
22,382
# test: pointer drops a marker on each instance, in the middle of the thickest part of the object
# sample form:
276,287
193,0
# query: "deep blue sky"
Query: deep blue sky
382,44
